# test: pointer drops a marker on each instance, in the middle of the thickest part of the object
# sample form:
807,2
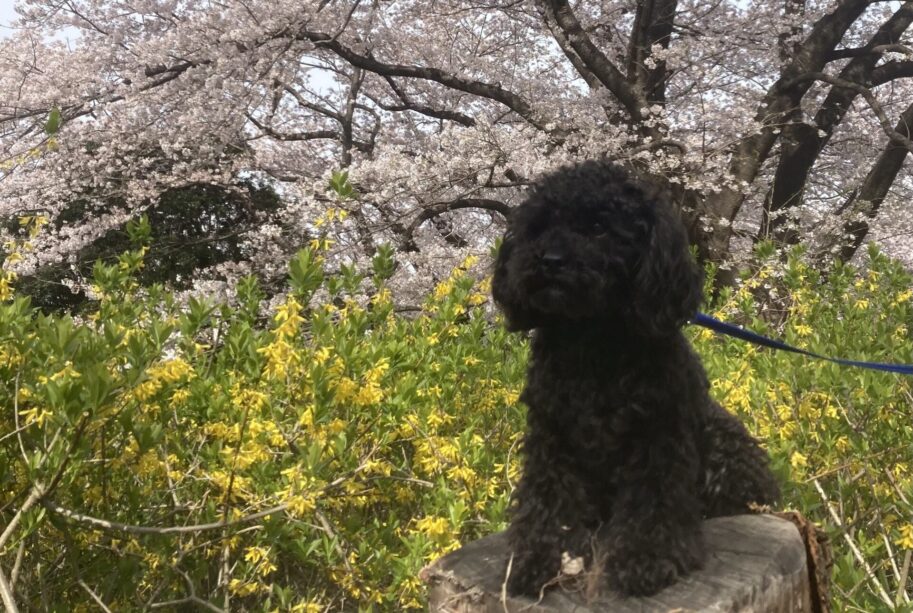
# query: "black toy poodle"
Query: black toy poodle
623,439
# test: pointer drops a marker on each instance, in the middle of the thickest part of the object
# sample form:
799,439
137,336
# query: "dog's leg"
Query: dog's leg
549,517
735,471
654,532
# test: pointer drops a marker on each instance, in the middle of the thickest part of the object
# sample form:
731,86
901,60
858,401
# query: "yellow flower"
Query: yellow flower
250,453
35,415
802,329
148,464
375,374
344,389
336,426
367,395
321,244
433,526
906,537
477,299
307,417
464,474
704,335
170,371
240,484
288,318
902,297
469,262
321,355
280,356
6,289
244,588
443,289
798,460
434,391
244,398
842,443
382,297
259,556
179,397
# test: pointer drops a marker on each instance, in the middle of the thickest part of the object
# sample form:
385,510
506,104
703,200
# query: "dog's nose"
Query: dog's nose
551,259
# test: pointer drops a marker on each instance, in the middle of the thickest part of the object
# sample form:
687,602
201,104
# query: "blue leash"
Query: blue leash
716,325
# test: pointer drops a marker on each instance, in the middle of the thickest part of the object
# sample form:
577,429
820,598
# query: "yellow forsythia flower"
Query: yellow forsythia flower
798,460
906,537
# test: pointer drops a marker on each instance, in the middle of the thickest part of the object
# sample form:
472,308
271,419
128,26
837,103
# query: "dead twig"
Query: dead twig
870,572
94,596
6,594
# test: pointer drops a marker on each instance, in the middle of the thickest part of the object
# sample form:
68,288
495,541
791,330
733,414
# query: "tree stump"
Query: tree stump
754,563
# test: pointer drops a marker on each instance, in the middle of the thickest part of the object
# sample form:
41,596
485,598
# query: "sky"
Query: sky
7,14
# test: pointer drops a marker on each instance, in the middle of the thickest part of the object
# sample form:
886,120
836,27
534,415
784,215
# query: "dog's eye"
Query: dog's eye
598,229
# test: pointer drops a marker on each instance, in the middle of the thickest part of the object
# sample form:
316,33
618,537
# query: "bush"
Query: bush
841,438
153,453
315,461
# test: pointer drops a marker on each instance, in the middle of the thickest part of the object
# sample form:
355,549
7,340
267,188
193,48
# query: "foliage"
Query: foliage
759,115
836,434
344,446
151,453
193,228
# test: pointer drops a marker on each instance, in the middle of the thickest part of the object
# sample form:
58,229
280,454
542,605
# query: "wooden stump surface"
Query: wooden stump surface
754,563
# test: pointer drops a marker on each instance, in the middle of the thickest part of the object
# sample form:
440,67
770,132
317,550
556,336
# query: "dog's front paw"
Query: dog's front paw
640,574
528,574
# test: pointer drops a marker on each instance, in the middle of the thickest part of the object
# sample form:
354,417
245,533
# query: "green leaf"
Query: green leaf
53,123
339,183
305,273
139,231
383,264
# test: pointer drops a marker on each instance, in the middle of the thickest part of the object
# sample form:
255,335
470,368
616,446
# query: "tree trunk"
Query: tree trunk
754,563
866,200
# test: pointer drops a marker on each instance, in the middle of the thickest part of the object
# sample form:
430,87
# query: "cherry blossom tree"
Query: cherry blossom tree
781,120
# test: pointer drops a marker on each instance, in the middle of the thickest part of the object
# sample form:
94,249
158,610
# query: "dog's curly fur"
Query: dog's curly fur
622,436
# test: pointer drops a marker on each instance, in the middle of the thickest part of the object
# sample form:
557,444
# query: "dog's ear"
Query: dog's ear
668,284
506,294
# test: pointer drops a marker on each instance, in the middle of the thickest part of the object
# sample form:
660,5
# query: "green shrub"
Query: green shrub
336,449
316,461
838,436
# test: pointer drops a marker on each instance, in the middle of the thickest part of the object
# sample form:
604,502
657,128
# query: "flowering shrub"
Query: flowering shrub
841,438
157,454
312,461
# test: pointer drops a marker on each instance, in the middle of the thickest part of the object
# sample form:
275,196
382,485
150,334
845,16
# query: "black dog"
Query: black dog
622,437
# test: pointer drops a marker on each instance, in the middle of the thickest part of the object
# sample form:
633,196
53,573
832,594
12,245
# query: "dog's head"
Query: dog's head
591,244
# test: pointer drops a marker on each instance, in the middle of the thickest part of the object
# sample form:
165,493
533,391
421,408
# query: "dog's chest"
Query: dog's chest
593,414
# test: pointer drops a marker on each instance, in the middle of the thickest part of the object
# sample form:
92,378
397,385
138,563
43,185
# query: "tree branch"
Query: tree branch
802,143
293,136
409,105
477,88
841,54
748,155
113,526
565,44
6,594
439,208
866,200
870,98
595,60
94,596
890,71
653,25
